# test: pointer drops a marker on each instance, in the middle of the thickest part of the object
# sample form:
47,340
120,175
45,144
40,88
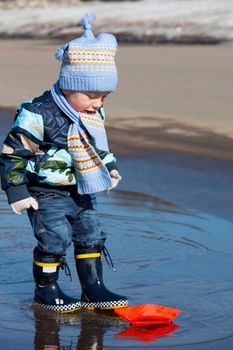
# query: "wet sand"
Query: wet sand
171,215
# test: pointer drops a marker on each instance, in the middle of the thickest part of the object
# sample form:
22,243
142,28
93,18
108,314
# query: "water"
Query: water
169,228
164,254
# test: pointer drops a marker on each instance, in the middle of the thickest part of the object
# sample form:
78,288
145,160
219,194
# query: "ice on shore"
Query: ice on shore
209,21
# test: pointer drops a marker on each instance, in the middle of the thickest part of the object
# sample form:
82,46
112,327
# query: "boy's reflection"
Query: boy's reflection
90,327
47,328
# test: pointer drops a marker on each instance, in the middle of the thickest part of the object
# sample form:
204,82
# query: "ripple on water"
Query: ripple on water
164,254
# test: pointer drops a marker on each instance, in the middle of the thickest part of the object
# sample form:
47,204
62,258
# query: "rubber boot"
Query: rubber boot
47,292
94,293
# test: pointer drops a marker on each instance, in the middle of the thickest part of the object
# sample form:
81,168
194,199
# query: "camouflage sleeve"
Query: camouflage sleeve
19,147
108,159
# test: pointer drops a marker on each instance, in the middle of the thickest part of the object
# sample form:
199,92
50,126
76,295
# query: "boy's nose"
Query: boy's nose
97,103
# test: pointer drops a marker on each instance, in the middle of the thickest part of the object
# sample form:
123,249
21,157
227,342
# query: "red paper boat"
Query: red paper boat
148,334
148,314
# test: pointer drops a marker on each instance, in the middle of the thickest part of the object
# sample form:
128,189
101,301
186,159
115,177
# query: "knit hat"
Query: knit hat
88,61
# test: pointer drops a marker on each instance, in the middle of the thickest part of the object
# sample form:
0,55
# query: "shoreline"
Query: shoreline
192,141
127,38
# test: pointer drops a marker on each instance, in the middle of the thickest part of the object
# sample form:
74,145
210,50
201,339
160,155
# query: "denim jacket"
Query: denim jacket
35,151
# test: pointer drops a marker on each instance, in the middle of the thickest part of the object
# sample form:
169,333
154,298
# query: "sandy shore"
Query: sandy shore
170,97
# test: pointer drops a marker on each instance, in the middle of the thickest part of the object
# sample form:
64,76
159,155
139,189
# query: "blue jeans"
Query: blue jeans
63,219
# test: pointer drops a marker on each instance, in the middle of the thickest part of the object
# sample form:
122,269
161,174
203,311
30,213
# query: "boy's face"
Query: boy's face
87,102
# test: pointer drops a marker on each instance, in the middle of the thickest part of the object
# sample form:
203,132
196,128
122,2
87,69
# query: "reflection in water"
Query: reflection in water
46,332
147,334
91,327
92,331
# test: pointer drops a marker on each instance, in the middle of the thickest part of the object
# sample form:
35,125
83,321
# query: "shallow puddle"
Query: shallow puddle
164,254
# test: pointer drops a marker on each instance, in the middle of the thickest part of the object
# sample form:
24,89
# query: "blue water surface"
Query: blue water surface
166,251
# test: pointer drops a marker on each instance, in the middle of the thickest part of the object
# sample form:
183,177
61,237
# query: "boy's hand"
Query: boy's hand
19,206
116,177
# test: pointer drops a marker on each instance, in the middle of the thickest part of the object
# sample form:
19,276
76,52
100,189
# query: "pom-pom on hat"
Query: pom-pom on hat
88,62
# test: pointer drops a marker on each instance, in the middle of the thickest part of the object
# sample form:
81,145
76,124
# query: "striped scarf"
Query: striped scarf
86,136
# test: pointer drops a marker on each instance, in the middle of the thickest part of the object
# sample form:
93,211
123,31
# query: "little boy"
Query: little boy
55,159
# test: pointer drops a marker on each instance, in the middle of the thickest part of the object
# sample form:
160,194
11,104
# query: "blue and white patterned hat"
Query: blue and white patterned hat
88,62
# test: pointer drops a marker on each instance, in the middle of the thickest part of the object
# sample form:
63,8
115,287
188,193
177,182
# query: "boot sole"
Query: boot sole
105,305
65,309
